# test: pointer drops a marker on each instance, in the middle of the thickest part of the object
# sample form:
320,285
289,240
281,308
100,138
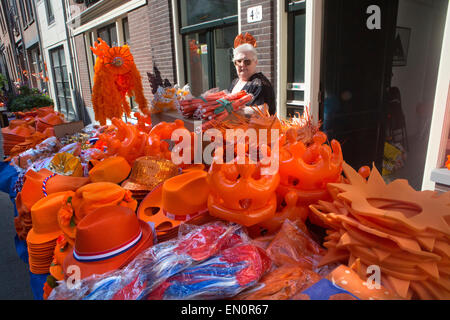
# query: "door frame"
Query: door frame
55,86
440,121
313,50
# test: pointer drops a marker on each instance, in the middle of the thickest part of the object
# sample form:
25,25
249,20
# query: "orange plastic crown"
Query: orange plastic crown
310,168
240,192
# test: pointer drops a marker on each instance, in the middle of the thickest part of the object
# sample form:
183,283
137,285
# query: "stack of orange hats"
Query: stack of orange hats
41,240
16,133
49,120
147,174
36,186
406,233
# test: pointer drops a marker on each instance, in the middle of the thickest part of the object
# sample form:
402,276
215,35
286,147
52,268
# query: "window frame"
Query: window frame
48,11
209,27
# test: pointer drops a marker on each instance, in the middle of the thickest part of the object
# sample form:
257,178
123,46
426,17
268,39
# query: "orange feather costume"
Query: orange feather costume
116,76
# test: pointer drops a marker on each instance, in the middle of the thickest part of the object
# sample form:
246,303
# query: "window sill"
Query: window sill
441,176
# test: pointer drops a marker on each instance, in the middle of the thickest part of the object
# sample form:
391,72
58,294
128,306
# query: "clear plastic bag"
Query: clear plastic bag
220,277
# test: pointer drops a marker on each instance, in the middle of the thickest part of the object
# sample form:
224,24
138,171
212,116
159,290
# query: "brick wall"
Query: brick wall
139,24
264,32
83,70
161,37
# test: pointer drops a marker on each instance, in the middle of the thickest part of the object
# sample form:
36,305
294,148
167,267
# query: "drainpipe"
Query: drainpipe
74,78
41,47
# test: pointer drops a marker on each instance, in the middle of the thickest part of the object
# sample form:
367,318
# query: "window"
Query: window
36,67
199,11
208,28
30,10
126,31
62,83
49,10
23,14
2,21
109,34
296,58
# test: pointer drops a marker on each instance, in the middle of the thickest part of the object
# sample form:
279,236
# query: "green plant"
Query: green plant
28,99
3,81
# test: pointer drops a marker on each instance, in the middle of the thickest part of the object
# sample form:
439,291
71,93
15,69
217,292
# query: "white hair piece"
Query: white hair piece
242,49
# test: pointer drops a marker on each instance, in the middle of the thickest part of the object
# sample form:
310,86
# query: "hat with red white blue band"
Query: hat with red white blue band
99,256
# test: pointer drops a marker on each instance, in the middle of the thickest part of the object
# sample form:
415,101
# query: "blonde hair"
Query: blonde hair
245,48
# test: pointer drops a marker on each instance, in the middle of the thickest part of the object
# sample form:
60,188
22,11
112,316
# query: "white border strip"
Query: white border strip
115,13
439,110
103,256
179,61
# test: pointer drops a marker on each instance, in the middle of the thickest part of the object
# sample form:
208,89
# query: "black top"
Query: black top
262,90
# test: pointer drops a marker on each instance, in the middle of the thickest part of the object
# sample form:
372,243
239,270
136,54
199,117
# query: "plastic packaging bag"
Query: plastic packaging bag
296,257
156,264
292,245
223,276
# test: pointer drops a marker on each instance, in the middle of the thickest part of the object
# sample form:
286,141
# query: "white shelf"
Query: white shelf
441,176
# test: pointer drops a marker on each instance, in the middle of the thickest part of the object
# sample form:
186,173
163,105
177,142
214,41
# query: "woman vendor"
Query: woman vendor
245,60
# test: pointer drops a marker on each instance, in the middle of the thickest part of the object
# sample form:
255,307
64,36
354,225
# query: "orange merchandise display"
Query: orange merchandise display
116,77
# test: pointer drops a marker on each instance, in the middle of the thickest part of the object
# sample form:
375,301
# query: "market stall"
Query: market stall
107,214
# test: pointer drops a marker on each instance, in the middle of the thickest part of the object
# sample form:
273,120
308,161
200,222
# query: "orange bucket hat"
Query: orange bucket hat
108,239
43,216
177,200
114,169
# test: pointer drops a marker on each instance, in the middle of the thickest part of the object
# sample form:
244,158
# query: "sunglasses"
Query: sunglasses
247,62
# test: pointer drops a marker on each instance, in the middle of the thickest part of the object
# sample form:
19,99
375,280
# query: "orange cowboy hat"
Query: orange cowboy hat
108,239
114,169
37,184
179,199
43,216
